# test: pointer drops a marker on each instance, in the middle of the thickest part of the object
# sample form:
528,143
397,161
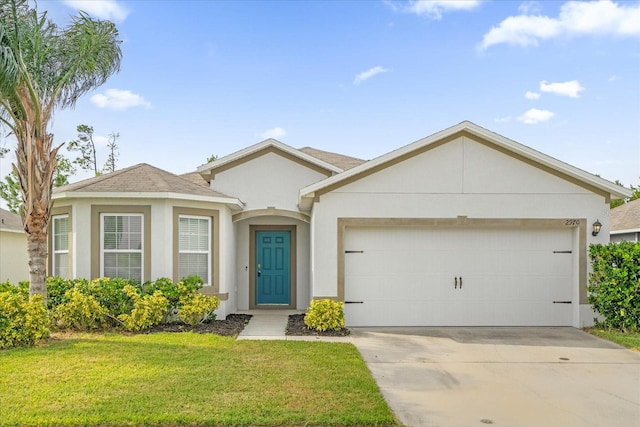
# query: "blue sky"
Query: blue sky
364,77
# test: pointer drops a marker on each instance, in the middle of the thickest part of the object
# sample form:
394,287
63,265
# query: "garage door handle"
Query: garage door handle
354,302
460,282
455,281
562,302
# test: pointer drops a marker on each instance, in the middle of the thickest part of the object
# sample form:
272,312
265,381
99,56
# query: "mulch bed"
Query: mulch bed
230,327
296,326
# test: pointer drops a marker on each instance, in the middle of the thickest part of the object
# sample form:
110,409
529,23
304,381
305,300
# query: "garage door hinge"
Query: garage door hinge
354,302
353,252
562,252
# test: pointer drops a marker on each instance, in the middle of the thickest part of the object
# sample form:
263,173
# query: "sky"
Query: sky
362,78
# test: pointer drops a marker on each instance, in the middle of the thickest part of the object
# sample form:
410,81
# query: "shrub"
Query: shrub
325,315
614,284
23,319
148,310
57,288
198,309
80,311
109,292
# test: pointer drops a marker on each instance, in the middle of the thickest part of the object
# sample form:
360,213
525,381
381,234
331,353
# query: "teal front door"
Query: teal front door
273,267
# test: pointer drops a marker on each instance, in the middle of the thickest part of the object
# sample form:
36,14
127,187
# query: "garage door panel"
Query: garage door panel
510,277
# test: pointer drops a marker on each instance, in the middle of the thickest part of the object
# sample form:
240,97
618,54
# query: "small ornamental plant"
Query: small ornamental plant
23,319
148,310
198,309
81,312
325,315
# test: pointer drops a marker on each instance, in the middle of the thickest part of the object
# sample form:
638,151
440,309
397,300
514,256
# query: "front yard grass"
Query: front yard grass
628,339
187,379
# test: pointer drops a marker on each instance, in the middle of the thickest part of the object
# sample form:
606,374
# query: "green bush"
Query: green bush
23,319
57,288
614,285
148,310
198,309
79,311
109,292
325,315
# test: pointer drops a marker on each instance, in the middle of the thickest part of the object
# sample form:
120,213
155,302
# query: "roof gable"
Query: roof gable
479,134
260,149
626,217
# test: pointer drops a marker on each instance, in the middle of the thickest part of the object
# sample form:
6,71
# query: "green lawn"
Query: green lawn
628,339
187,379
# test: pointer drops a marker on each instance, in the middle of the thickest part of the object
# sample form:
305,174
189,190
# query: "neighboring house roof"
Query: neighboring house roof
472,130
261,148
141,179
10,221
339,160
625,218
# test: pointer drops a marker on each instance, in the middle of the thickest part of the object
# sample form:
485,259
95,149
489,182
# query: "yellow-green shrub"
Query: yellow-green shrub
80,311
23,320
148,310
325,315
198,308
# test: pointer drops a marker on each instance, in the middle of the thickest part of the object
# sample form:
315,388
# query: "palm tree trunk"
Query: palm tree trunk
36,163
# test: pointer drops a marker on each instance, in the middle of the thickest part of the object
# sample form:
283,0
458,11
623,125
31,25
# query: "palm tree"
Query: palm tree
44,67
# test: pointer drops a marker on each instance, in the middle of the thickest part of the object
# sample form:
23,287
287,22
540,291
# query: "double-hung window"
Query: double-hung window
194,252
60,259
121,245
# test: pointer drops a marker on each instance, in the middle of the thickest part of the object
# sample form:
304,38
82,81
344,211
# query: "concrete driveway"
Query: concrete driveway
511,377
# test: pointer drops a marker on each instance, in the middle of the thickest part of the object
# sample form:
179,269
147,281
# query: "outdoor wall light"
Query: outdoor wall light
596,228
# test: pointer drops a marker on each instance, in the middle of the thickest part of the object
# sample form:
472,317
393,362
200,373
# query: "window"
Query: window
194,252
121,246
60,233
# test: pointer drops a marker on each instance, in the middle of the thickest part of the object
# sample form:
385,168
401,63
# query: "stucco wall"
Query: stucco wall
14,259
269,180
460,178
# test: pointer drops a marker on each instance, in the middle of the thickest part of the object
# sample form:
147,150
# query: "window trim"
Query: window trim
54,251
209,243
145,211
104,251
214,287
59,211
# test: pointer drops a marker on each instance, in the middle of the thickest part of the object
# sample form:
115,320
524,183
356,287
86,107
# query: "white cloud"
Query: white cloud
575,19
613,78
116,99
276,132
369,73
529,7
571,88
102,9
532,95
435,8
533,116
506,119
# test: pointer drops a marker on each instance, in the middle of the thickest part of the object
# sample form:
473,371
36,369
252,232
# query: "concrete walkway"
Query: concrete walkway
272,324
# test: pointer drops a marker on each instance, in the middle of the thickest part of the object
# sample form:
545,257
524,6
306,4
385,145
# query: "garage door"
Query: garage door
458,277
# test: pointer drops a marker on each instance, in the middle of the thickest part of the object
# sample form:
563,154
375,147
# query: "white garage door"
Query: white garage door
458,277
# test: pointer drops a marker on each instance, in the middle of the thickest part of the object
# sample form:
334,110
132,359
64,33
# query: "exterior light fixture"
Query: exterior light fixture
596,228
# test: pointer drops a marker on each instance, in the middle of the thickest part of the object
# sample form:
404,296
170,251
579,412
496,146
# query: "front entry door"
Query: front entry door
273,267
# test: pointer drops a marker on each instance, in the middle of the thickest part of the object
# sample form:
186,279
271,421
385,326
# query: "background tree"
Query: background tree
212,158
110,164
86,145
635,195
44,67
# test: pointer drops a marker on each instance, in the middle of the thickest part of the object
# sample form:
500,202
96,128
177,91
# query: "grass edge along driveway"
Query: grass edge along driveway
169,379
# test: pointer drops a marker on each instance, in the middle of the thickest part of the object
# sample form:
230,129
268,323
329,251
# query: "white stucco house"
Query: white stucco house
14,260
463,227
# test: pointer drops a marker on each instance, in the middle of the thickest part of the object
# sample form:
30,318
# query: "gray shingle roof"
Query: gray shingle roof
141,178
339,160
626,217
10,221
